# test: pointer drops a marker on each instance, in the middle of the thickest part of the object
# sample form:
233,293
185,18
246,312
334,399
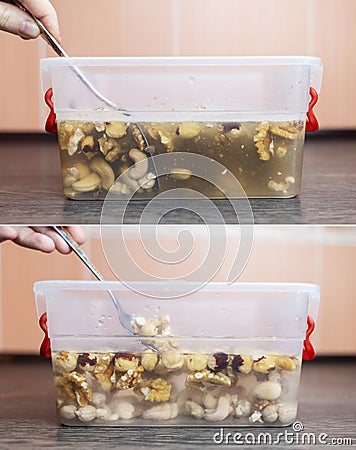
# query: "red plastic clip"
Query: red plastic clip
51,122
312,122
45,349
308,349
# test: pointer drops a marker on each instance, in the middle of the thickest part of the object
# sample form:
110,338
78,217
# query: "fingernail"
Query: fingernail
29,29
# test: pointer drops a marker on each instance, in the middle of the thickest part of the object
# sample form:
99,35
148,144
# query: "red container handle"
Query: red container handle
45,349
308,349
51,122
312,123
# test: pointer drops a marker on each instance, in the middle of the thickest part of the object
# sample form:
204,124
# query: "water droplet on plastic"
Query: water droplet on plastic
191,80
100,323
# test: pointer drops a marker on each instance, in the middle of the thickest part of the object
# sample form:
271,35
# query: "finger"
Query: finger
44,10
59,244
7,233
77,233
30,238
16,21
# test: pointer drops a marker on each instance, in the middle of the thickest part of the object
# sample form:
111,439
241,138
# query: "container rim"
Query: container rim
47,285
157,61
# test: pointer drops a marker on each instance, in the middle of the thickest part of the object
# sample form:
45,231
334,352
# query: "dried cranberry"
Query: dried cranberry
220,362
237,362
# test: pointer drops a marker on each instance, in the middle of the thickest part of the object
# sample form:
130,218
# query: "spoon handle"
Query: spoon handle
49,37
78,251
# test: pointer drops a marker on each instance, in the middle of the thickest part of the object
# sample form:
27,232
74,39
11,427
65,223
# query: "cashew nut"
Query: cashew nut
128,410
222,410
282,186
88,183
86,413
68,411
287,413
163,411
209,400
98,399
147,181
102,168
188,395
194,409
270,413
243,408
268,390
104,413
140,168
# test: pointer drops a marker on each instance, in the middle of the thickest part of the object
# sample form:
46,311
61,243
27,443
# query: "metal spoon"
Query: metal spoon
126,319
56,46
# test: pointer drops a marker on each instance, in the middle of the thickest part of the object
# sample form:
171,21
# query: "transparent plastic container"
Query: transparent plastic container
247,113
226,355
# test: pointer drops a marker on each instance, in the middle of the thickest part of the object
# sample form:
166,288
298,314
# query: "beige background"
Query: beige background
325,256
323,28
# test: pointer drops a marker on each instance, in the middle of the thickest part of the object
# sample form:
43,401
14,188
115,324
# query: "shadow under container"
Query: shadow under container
248,114
225,355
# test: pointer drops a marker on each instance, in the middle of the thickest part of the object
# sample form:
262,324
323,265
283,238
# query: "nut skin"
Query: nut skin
115,129
64,361
172,360
125,361
264,364
188,130
196,362
285,363
149,360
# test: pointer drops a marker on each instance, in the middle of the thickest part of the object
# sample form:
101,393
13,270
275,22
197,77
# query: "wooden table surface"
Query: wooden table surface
327,404
31,190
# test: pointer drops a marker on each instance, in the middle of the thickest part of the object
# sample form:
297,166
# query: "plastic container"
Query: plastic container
247,113
226,354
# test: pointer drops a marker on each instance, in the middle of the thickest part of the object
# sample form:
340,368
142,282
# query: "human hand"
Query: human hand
16,21
41,238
